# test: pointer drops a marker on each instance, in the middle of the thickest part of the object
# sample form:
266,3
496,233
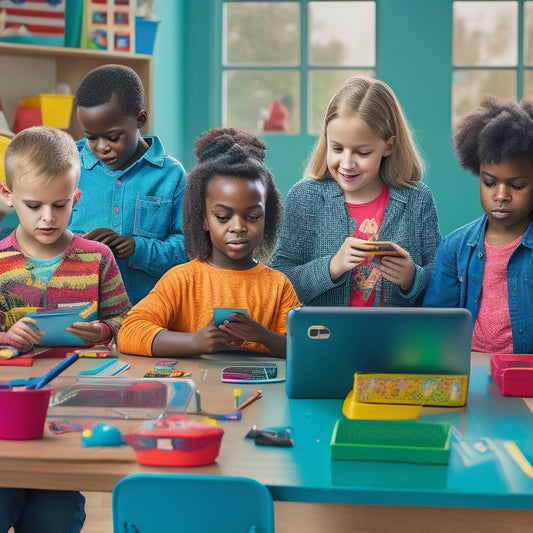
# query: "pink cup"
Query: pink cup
23,413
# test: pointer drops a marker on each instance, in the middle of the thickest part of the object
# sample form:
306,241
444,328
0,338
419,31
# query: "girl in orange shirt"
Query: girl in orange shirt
230,216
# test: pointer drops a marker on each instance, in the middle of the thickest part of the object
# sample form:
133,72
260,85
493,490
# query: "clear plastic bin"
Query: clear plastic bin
119,397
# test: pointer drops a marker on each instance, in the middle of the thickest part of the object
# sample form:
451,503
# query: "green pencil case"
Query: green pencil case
391,440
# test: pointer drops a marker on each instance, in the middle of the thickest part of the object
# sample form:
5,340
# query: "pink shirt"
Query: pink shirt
492,329
366,278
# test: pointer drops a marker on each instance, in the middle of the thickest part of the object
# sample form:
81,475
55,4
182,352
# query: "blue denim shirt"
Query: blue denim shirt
458,275
143,201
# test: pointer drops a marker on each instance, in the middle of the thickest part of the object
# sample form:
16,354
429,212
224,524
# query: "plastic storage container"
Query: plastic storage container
23,413
513,373
119,397
145,34
56,109
386,440
175,441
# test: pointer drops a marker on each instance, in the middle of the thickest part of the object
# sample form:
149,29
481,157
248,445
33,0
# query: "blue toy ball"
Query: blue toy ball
102,434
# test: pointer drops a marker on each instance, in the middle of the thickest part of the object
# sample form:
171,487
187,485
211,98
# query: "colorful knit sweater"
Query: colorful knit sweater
87,273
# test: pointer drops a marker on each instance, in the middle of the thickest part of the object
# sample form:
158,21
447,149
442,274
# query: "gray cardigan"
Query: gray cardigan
316,222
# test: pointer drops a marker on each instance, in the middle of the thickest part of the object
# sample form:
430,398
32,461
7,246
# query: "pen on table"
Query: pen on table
54,372
256,394
237,397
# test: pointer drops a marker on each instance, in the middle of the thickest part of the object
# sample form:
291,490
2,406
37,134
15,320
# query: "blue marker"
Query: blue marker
54,372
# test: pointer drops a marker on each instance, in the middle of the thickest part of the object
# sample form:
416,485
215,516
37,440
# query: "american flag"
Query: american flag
41,17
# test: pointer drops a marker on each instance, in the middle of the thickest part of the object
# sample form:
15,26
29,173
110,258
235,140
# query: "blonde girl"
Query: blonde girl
363,184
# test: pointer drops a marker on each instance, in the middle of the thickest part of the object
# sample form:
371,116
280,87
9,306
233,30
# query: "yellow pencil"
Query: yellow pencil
518,456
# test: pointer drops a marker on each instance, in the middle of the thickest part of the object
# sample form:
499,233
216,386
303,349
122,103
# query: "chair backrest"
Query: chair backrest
187,503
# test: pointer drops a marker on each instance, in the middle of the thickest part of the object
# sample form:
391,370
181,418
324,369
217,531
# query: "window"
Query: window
283,60
492,52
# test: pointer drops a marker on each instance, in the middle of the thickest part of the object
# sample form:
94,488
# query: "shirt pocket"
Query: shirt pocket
152,217
524,290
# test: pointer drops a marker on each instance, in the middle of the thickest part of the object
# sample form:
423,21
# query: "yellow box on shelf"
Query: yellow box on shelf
412,389
4,141
56,109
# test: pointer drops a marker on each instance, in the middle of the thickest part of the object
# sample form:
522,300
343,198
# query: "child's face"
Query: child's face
354,154
235,219
506,191
44,209
112,135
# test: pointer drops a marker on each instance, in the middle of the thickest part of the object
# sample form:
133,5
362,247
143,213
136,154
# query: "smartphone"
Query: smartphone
224,313
264,373
382,248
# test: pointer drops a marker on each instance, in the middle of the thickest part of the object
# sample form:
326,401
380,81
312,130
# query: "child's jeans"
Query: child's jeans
43,511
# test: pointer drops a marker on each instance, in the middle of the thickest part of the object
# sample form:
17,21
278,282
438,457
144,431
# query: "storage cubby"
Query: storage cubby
27,70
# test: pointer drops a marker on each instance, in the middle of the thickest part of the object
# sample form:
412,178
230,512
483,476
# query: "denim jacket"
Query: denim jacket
458,275
143,201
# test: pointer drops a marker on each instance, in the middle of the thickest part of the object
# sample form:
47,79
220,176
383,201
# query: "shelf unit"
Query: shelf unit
27,70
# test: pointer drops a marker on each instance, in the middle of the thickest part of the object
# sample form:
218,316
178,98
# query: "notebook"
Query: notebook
327,345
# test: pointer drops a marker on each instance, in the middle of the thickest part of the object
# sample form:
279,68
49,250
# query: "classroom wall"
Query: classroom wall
414,49
169,64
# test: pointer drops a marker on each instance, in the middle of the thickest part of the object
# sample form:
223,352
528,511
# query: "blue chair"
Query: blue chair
191,503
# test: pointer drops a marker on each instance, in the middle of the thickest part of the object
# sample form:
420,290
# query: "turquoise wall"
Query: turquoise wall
169,64
414,50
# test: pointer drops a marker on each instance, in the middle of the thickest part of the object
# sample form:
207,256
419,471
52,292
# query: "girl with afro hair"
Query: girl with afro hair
486,265
230,217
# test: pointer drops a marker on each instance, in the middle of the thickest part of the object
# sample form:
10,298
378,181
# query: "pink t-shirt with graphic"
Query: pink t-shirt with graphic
492,329
366,278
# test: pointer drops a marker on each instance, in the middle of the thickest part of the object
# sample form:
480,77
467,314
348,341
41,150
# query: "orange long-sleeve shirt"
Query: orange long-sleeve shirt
184,299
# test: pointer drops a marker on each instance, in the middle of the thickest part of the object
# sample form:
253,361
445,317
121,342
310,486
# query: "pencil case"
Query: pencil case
513,373
414,389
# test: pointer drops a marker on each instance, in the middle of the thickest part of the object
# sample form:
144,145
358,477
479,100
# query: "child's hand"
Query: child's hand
121,246
351,254
244,327
397,269
210,338
91,332
23,335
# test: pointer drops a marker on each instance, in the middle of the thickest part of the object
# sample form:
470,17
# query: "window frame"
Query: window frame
519,69
303,68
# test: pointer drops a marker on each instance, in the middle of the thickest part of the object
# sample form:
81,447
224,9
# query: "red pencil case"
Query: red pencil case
513,373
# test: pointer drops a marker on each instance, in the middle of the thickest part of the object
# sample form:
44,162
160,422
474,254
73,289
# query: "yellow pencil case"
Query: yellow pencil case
412,389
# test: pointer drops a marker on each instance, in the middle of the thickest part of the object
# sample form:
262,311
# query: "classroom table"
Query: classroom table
482,486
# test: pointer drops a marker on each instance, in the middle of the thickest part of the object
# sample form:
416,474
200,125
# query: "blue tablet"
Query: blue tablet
54,322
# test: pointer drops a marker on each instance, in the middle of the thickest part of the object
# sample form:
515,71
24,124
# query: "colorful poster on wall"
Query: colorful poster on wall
35,21
109,25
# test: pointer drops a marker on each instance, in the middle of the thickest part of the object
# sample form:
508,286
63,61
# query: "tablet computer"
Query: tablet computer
53,323
327,345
